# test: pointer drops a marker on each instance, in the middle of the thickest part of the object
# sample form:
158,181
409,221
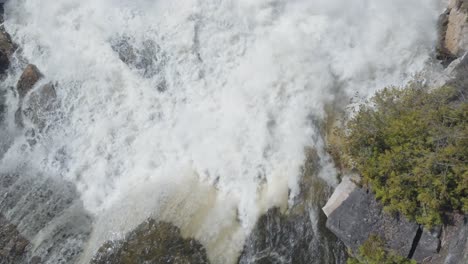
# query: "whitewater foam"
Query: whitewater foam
156,93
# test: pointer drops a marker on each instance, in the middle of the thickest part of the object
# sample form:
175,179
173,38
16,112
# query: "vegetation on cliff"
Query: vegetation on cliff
372,252
411,147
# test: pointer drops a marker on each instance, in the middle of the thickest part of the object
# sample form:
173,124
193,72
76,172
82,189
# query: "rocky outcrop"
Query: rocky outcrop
289,238
152,242
453,31
297,235
359,216
354,215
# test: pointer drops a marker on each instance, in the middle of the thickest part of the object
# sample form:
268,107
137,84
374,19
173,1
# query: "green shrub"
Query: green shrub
410,145
372,252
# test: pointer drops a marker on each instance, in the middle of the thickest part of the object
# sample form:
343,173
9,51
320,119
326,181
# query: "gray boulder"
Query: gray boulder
359,216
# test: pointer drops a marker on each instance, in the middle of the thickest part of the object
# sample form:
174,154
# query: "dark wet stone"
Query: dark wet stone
6,46
31,75
278,238
298,235
152,242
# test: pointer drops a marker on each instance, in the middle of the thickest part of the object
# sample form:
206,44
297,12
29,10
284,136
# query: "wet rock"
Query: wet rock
152,242
7,47
3,106
13,245
31,75
359,216
145,56
282,238
297,235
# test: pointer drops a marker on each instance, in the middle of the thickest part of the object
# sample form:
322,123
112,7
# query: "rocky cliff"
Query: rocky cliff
354,215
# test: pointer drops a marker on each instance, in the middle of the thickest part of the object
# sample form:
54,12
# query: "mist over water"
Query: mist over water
198,112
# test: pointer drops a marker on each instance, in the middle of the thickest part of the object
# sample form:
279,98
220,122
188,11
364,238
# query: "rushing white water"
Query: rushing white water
207,121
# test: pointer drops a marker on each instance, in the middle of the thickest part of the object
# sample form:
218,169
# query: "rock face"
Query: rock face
453,27
428,245
152,242
454,246
354,214
456,240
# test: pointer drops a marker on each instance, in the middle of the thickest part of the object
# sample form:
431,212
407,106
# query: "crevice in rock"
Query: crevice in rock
415,242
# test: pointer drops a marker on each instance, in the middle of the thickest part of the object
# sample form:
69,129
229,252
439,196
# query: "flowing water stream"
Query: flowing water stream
196,112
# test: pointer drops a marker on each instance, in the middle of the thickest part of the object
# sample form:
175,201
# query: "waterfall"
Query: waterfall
195,112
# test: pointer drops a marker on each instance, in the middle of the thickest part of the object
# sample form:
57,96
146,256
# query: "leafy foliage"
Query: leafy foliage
372,252
411,146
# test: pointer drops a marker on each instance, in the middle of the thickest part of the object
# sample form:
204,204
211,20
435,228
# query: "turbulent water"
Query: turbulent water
196,112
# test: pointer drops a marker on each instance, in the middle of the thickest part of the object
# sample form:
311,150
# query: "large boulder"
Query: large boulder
354,215
152,242
358,216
